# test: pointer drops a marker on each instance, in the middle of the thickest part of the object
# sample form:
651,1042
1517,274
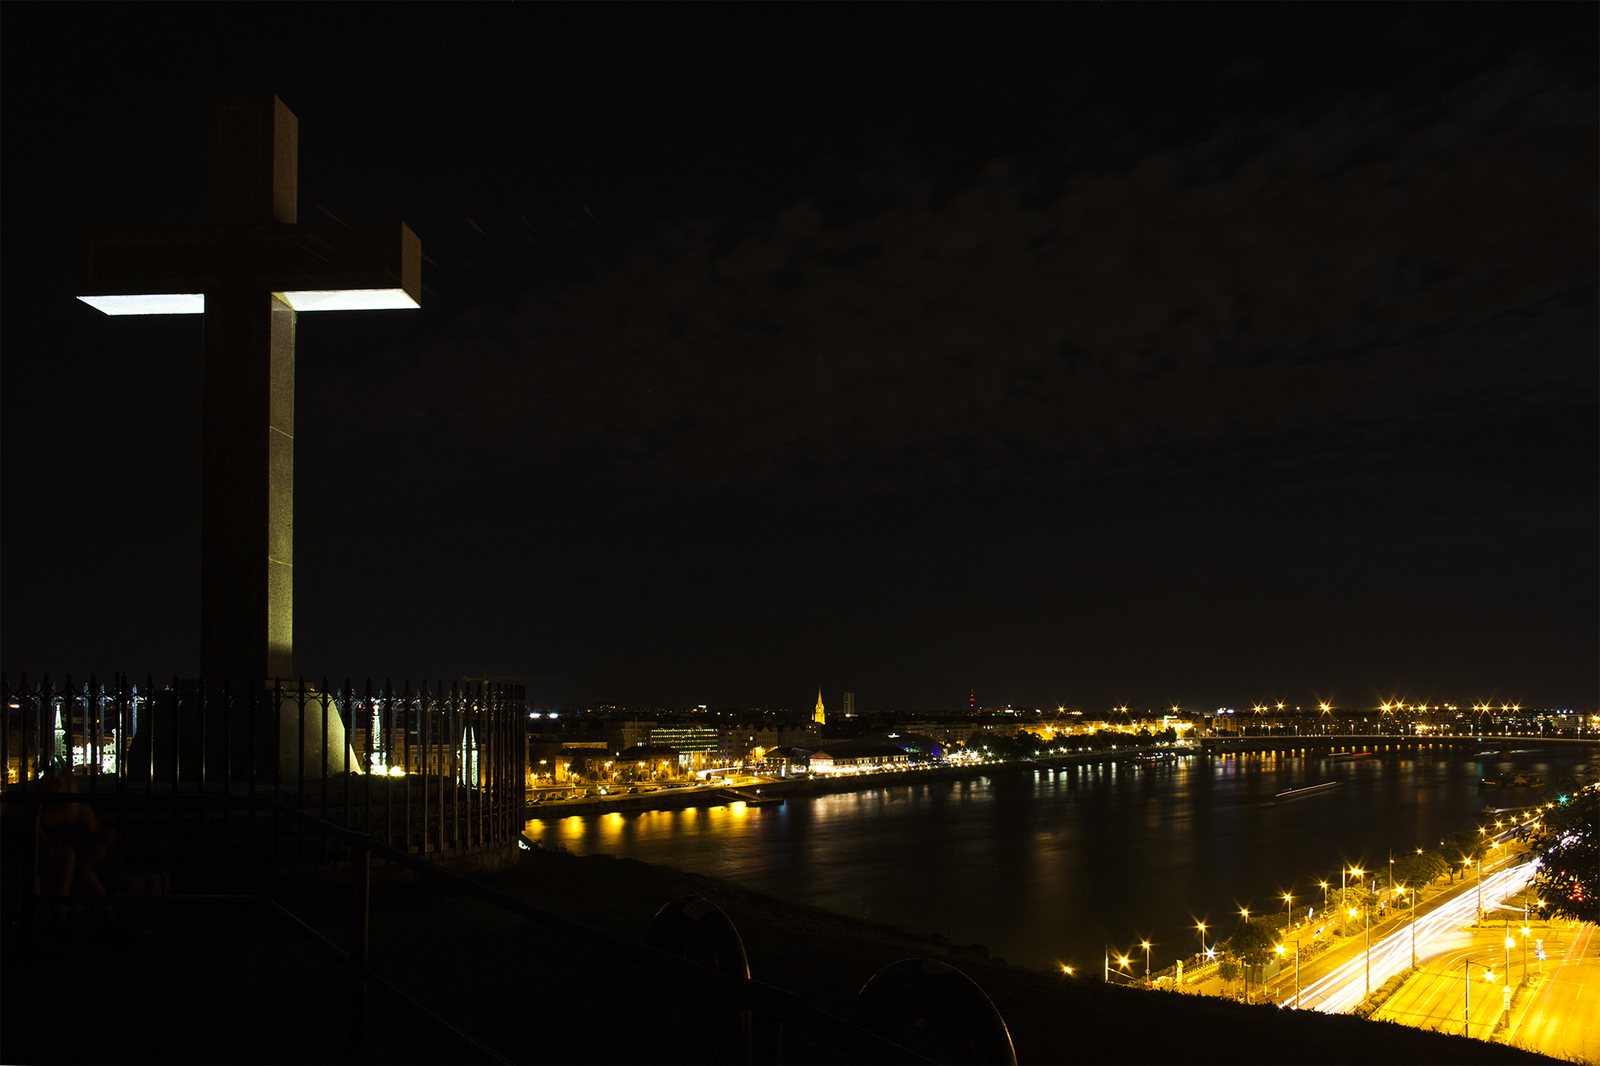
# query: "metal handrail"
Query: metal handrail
756,996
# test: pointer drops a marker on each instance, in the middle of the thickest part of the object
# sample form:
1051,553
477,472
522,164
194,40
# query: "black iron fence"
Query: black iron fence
432,771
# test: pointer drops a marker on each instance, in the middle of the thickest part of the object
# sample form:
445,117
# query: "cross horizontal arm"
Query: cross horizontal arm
315,266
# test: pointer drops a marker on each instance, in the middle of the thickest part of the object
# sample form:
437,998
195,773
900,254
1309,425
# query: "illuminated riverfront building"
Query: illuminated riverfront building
698,746
871,754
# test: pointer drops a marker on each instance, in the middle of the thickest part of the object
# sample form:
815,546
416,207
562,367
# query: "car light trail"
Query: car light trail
1345,987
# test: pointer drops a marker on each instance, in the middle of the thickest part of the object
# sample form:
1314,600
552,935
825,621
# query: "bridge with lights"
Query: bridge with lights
1329,744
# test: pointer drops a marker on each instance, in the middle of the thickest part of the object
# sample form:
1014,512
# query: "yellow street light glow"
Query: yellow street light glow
1145,944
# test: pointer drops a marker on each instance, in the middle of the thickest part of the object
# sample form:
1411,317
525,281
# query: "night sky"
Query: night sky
1078,355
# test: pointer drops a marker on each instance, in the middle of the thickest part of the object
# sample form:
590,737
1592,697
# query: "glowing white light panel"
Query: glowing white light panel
194,303
350,300
168,303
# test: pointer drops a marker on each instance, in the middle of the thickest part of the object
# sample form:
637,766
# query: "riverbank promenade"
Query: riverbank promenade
737,787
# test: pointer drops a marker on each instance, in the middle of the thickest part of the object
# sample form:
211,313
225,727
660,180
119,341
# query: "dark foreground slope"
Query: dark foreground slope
231,985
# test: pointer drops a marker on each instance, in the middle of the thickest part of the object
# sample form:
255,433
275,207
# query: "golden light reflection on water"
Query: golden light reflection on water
615,831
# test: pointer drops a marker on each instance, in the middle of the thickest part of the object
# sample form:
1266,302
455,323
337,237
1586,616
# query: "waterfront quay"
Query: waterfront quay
759,789
744,786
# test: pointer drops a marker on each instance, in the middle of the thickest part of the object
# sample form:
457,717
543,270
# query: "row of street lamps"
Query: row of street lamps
1288,904
1345,872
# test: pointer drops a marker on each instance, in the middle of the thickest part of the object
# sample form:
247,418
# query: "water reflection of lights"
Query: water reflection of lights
1028,846
613,830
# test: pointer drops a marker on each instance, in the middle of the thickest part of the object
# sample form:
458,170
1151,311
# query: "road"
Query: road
1437,997
1338,981
1562,1016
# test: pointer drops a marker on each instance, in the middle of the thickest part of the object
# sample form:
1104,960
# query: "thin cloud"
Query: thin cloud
1311,284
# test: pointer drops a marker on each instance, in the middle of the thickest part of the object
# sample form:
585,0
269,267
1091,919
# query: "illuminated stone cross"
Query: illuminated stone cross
250,270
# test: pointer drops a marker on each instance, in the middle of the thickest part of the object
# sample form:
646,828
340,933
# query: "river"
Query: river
1047,867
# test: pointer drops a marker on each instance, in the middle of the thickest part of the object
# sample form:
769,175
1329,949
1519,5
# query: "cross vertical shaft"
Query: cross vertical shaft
247,488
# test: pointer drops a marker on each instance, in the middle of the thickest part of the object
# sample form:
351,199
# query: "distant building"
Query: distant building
891,751
748,741
698,746
964,730
820,716
647,763
622,735
849,704
546,759
786,761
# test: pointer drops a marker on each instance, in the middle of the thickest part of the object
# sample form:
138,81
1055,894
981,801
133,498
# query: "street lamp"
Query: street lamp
1282,951
1368,955
1246,912
1413,927
1122,964
1146,945
1343,901
1288,901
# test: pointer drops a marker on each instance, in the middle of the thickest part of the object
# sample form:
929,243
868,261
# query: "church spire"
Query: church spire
820,716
